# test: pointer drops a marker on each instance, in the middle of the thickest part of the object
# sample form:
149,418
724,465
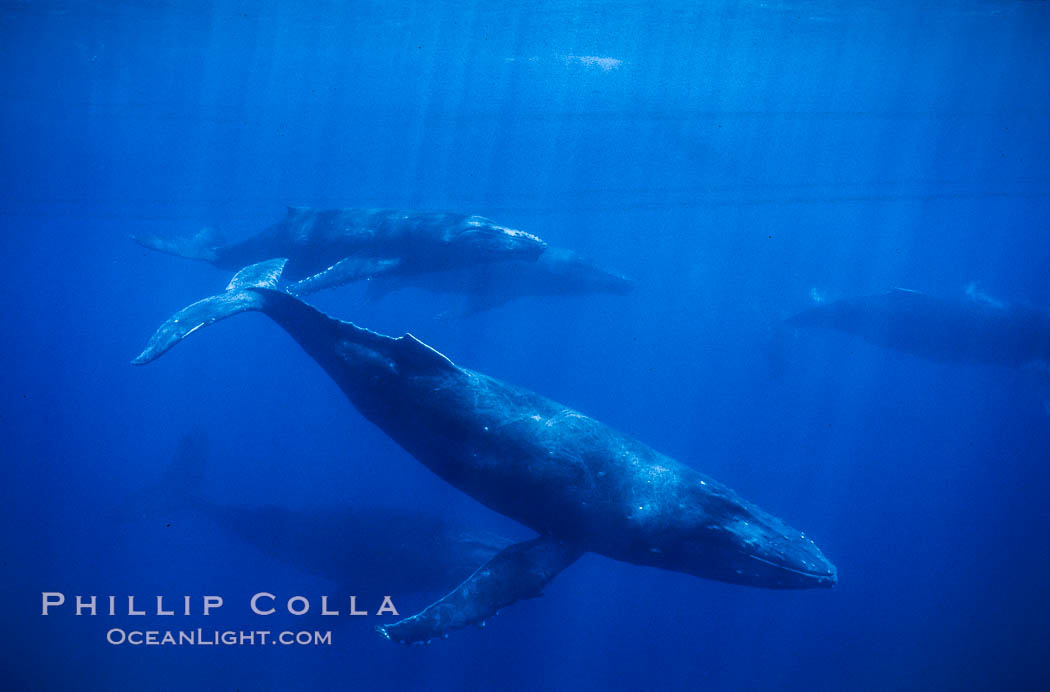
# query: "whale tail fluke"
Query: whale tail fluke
237,298
202,245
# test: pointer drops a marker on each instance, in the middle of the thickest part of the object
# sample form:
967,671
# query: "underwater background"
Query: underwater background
738,160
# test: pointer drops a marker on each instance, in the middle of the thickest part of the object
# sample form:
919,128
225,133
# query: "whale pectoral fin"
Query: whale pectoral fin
517,572
344,271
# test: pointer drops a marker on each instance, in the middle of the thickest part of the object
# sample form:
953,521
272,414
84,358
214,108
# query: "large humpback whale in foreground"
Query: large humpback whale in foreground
578,483
973,328
327,248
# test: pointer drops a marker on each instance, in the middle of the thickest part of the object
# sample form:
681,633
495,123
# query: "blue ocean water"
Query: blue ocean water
735,159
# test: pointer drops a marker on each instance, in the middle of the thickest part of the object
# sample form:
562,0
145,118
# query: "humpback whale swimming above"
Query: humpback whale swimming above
328,248
582,486
557,272
973,328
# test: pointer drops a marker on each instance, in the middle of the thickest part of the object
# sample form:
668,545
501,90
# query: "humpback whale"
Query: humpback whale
556,272
328,248
973,328
579,484
380,548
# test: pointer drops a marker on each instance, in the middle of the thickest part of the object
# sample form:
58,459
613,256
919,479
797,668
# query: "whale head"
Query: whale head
481,240
574,273
734,541
772,555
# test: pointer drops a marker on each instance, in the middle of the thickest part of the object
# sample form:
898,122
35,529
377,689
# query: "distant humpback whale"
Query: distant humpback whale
327,248
581,485
557,272
377,548
972,328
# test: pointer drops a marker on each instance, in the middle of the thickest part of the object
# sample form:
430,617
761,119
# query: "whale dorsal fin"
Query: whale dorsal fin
414,352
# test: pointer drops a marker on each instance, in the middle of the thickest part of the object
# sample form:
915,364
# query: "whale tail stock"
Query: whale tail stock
202,245
237,298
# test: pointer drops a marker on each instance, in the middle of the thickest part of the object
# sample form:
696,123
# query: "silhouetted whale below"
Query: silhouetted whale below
578,483
327,248
972,328
376,549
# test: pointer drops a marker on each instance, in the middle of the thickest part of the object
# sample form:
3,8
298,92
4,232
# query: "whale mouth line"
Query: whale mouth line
823,576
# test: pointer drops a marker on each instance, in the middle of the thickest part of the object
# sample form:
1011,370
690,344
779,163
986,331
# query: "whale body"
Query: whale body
972,328
579,484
